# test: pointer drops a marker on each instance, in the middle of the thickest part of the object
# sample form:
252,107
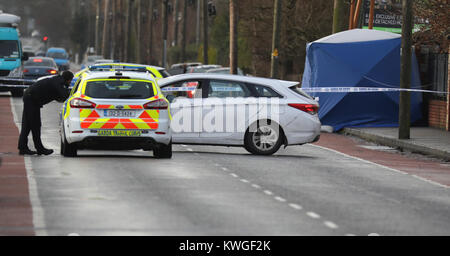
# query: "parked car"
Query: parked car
202,68
36,67
90,60
116,110
259,114
225,70
181,68
60,56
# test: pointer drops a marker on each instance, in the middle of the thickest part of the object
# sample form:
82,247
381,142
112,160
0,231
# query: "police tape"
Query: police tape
178,89
365,89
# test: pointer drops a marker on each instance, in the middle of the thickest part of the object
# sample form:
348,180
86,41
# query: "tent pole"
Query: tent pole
371,14
352,11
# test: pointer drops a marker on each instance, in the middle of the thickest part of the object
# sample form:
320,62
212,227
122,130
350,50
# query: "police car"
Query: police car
116,110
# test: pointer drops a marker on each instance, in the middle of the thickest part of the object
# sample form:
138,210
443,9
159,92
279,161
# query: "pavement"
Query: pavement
423,140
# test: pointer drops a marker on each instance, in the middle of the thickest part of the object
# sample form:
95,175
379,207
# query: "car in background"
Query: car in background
90,60
100,61
259,114
225,70
202,68
116,110
60,56
36,67
181,68
155,71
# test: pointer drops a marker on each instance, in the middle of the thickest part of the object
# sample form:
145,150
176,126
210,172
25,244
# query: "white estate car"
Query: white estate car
116,110
258,113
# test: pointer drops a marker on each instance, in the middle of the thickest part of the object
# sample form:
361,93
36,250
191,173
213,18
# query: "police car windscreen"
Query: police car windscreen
114,89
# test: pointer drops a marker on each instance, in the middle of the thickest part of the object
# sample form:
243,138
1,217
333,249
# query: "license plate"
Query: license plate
119,113
118,133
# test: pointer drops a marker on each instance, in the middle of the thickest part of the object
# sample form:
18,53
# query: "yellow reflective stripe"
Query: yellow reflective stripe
84,113
140,124
67,110
153,114
97,124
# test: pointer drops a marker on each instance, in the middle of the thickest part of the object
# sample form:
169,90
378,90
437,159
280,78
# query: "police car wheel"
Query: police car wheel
68,150
163,151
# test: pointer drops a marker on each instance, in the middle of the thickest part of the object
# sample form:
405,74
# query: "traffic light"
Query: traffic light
45,39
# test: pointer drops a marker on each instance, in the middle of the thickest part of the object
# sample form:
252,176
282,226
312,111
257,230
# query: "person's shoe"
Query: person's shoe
45,151
27,151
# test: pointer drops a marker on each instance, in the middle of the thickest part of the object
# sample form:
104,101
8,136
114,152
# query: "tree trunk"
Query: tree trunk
338,16
105,40
275,39
183,43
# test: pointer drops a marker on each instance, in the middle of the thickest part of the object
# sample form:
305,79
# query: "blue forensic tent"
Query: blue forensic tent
359,58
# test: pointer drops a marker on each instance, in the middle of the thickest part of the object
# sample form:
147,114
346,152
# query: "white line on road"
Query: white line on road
296,206
313,215
244,180
330,224
256,186
268,192
224,168
189,149
382,166
234,175
38,212
280,199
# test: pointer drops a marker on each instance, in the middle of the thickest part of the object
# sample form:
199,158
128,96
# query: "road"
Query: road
206,190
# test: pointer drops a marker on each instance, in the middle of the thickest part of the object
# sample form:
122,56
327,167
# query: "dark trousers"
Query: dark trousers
31,121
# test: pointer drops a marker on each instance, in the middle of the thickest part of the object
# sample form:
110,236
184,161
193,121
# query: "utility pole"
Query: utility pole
197,24
164,34
105,30
233,38
371,13
150,34
97,26
184,39
138,32
113,30
275,38
175,21
127,30
338,16
205,32
405,70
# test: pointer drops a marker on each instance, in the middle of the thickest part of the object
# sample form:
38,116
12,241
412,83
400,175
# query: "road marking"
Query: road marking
217,165
313,215
373,234
330,224
256,186
183,145
234,175
244,180
224,168
382,166
268,192
350,235
73,234
36,206
295,206
189,149
280,199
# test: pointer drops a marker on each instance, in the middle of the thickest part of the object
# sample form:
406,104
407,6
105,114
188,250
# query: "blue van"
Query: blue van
11,55
60,56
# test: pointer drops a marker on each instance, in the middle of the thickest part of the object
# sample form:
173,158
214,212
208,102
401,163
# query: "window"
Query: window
184,89
57,55
224,89
264,91
122,89
9,49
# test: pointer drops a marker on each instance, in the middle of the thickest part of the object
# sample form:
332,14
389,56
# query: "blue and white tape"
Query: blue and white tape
364,89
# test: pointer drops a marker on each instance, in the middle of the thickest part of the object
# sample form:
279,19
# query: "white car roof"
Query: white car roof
244,79
106,74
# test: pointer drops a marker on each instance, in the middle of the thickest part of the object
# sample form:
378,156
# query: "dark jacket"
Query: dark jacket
47,90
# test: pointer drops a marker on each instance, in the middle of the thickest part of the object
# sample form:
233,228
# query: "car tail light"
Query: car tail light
156,104
25,71
308,108
52,71
81,103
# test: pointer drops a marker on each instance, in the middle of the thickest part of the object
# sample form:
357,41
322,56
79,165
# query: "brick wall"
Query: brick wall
437,114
